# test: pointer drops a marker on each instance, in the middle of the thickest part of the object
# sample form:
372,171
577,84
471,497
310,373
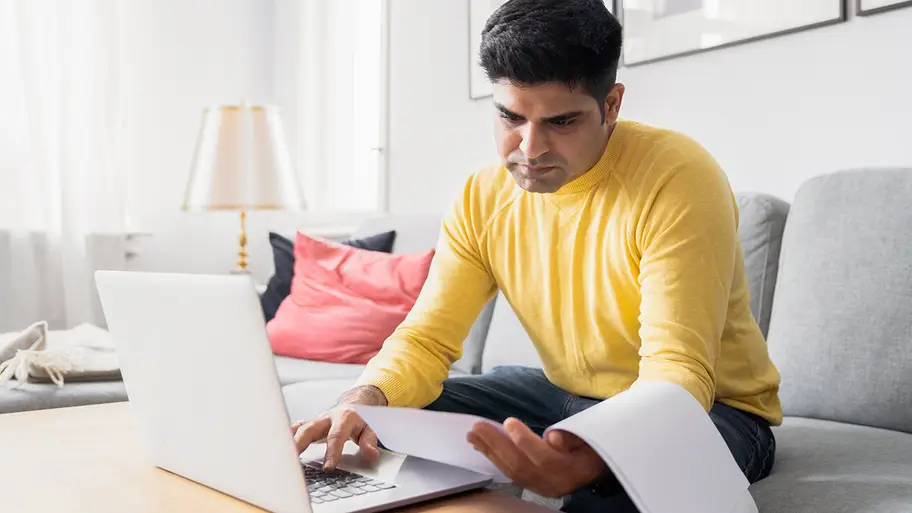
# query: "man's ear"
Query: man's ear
613,103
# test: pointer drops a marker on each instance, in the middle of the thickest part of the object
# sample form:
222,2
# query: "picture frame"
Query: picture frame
699,26
869,7
479,12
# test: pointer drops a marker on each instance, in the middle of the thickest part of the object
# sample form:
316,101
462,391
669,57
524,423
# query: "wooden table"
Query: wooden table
89,459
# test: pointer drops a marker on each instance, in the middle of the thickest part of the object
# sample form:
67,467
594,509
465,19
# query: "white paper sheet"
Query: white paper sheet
665,451
430,435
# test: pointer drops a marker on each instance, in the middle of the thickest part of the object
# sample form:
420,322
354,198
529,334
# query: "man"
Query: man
616,245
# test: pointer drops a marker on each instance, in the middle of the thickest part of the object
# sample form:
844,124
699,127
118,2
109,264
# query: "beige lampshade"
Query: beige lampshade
242,162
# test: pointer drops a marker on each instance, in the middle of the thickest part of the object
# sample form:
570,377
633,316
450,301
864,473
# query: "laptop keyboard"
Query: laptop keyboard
328,486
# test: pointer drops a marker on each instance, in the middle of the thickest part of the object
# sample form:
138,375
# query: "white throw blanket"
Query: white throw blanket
84,352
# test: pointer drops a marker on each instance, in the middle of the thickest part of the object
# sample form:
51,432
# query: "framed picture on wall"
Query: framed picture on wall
479,12
868,7
656,30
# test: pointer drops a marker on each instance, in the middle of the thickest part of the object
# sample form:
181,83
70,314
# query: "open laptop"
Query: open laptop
203,387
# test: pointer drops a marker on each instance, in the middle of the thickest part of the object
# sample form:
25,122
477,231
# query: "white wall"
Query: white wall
774,112
437,135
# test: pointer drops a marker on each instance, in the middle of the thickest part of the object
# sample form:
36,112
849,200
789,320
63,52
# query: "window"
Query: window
341,112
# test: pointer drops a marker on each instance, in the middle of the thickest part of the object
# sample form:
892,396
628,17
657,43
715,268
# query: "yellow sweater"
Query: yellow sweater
633,271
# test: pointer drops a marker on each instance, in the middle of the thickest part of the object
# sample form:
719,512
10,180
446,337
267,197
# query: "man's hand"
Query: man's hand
553,467
340,424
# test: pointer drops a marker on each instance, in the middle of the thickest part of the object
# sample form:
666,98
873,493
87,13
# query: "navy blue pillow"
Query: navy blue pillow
279,285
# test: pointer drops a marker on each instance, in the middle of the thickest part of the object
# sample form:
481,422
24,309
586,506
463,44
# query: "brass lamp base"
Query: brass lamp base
242,252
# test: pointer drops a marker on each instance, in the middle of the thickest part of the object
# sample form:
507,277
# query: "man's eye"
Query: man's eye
510,117
563,122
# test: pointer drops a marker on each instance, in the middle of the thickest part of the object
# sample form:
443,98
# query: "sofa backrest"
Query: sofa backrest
414,233
841,326
761,222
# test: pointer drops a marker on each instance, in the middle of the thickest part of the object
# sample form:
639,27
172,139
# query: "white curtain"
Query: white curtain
62,181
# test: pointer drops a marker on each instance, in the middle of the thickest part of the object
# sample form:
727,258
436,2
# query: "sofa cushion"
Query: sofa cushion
828,466
761,222
345,301
839,331
416,233
296,370
507,342
283,259
40,396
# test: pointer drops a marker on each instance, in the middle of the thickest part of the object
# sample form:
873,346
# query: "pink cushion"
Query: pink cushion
345,301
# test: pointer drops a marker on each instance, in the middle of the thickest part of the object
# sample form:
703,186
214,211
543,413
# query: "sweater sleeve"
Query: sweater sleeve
687,239
416,358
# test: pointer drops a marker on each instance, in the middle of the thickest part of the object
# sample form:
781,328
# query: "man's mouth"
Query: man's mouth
536,170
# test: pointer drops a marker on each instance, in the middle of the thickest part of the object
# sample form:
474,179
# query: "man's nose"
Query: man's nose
534,142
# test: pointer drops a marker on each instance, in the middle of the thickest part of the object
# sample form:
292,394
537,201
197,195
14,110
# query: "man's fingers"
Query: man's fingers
519,478
311,432
481,446
534,463
564,441
532,446
368,443
512,460
344,424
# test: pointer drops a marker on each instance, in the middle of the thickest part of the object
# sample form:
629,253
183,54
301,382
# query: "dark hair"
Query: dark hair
575,42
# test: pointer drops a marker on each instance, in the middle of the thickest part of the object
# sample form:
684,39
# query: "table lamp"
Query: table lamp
241,163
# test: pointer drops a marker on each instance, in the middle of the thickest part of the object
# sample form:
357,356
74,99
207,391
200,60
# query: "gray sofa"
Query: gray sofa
831,287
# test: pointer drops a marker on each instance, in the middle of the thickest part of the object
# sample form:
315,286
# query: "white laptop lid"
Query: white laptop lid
202,383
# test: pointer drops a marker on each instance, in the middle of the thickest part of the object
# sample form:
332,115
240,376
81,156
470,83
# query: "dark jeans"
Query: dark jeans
527,395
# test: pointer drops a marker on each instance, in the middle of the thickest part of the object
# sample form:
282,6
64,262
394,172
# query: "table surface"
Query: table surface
90,459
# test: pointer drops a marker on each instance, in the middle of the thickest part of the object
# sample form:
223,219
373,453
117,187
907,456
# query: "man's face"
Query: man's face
550,134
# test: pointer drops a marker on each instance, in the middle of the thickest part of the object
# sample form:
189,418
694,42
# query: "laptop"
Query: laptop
205,392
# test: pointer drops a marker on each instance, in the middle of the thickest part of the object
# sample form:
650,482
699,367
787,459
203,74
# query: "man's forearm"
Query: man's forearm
368,395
